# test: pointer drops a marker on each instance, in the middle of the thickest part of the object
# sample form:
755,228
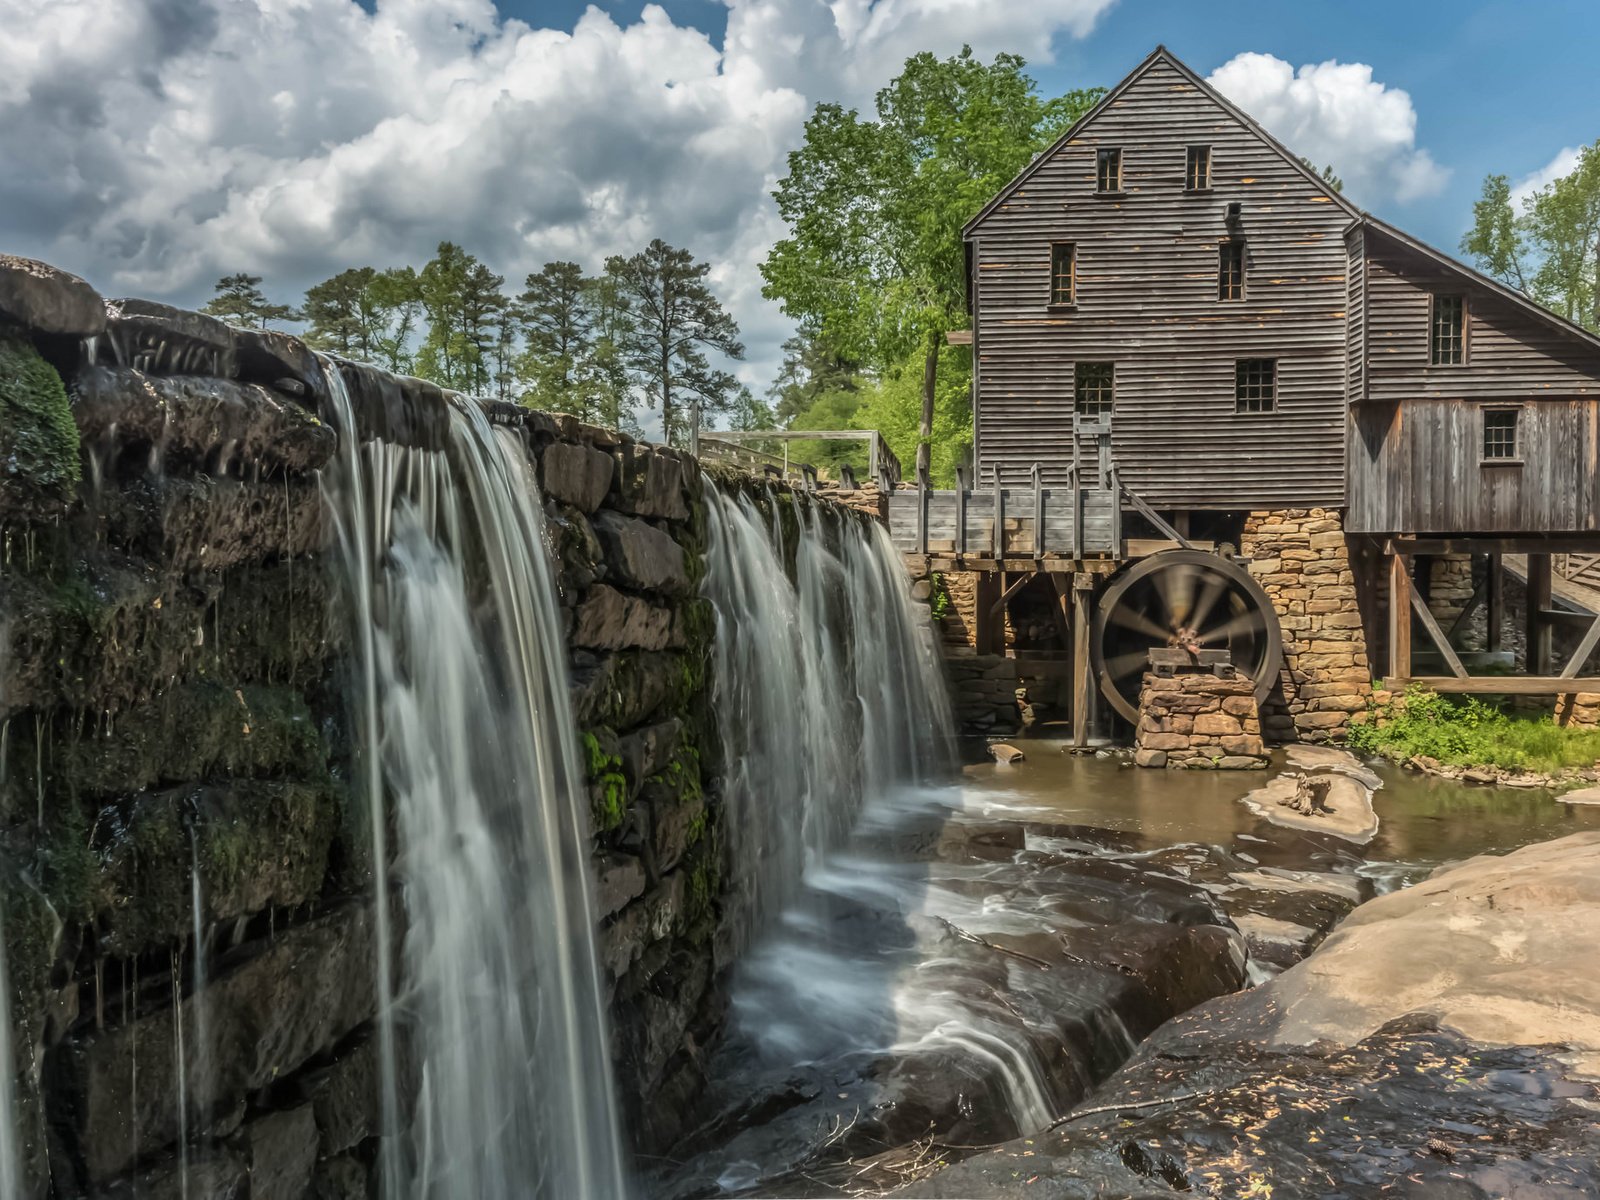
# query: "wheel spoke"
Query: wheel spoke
1243,623
1128,618
1126,664
1216,585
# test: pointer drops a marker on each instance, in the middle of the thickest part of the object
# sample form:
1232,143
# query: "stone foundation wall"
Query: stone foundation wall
1197,720
1302,560
1449,587
171,690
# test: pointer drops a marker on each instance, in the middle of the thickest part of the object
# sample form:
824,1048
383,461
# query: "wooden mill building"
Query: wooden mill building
1186,343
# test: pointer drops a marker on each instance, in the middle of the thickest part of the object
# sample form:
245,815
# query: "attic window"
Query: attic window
1447,338
1093,385
1063,274
1230,269
1500,435
1197,176
1108,170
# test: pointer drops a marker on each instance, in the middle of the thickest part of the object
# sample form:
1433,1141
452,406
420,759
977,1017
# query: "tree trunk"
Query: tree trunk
666,392
930,376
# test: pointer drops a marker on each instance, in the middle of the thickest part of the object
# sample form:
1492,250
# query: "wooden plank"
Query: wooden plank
958,337
1420,607
1540,633
1497,602
1472,544
1399,616
1499,685
1585,648
1082,685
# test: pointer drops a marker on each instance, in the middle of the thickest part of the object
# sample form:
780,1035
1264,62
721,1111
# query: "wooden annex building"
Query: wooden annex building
1217,407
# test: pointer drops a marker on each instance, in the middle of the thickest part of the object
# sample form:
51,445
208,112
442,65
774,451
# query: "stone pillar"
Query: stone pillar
1449,587
1195,719
1301,558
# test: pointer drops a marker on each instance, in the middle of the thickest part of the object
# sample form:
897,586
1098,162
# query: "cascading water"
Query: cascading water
10,1152
827,687
467,733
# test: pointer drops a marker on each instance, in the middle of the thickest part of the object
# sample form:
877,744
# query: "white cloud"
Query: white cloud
153,145
1336,113
1564,163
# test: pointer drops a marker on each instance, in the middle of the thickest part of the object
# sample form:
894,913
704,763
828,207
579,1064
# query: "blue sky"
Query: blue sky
155,145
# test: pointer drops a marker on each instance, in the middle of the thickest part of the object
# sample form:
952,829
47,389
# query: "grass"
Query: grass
1472,732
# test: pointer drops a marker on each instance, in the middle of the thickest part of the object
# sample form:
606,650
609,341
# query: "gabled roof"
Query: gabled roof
1471,275
1159,55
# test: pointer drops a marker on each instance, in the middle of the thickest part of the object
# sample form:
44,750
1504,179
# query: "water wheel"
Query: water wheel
1188,599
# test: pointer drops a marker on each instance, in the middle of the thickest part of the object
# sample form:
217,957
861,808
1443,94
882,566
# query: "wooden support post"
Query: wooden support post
1591,639
1082,685
1539,630
1399,617
987,590
962,483
1497,603
1447,651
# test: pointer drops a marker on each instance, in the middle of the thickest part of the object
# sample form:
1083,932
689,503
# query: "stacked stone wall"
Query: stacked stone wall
1198,720
1450,587
1301,558
172,691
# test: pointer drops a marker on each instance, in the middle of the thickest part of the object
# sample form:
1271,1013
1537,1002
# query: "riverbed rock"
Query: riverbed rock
1588,795
1348,812
49,300
1303,757
1447,1036
1005,753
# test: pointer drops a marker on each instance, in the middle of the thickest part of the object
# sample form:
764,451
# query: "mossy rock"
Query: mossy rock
39,467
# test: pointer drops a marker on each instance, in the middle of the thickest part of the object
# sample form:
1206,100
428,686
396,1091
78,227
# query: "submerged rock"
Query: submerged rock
1004,752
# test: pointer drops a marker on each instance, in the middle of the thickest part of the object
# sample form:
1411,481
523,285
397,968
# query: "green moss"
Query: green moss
1471,732
705,885
38,439
939,597
608,786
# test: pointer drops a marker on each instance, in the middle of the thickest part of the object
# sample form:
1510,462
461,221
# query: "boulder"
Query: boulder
344,1098
48,300
286,1001
282,361
650,484
196,422
395,408
283,1153
1005,753
160,339
639,555
1348,813
619,880
576,474
610,620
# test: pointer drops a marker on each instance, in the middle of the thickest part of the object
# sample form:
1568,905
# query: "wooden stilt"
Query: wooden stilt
1082,685
1497,603
1399,616
1539,630
984,637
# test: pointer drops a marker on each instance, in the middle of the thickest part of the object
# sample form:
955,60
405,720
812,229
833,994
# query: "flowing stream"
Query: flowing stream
496,1078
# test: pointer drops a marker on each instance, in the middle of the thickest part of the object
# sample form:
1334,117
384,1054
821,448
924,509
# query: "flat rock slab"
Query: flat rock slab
1280,879
1588,795
1331,758
1348,815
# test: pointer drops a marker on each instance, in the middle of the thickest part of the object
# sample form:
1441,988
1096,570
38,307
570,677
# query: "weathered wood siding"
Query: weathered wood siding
1147,301
1510,352
1417,467
1355,346
1062,510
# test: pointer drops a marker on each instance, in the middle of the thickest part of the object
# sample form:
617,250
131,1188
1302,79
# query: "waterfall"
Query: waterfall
827,686
466,735
10,1150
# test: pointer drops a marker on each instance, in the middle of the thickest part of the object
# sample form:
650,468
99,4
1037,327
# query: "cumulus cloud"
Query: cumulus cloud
1336,113
153,145
1564,163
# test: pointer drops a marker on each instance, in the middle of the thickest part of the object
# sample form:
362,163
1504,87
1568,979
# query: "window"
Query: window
1447,340
1092,386
1255,387
1063,273
1197,177
1230,269
1108,170
1500,435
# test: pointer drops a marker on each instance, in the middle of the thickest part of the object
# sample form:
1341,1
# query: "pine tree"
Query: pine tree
240,301
559,327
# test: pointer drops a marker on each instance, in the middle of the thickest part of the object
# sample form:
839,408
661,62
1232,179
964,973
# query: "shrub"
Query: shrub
1471,732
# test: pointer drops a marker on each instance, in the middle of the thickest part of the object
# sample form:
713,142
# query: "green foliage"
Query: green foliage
240,301
939,598
1326,174
463,304
894,408
608,785
1471,732
559,327
366,315
38,437
1551,249
676,319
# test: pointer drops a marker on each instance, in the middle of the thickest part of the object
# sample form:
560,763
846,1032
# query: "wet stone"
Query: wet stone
48,300
158,338
576,474
641,556
283,1152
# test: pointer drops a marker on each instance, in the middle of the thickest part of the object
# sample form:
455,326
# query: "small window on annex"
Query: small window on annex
1230,269
1197,175
1063,273
1447,339
1500,435
1108,170
1255,388
1092,388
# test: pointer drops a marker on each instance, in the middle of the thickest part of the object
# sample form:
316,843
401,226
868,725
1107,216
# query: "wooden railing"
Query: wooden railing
735,448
